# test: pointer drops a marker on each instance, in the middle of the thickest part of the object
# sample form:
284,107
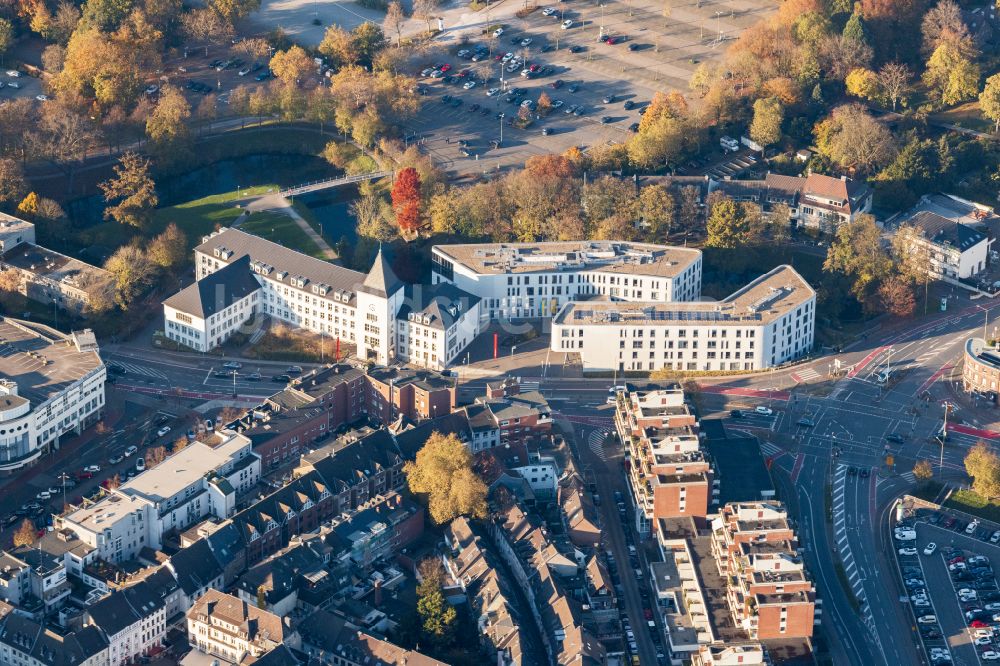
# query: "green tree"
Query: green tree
733,225
951,75
368,41
983,465
132,272
857,253
442,474
6,35
655,209
438,618
131,193
855,28
768,115
167,124
106,15
989,101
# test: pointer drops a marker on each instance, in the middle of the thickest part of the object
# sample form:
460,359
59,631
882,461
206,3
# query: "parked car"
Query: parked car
163,431
930,548
764,411
140,465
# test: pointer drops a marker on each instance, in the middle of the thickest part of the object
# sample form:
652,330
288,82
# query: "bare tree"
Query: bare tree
425,9
894,78
207,26
394,18
254,47
943,23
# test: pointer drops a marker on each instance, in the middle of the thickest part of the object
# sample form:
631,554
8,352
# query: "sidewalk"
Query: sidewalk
279,204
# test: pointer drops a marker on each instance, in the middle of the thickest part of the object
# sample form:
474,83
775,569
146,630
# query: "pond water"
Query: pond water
330,207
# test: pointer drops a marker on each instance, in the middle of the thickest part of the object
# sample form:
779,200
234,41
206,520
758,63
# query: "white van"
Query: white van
729,144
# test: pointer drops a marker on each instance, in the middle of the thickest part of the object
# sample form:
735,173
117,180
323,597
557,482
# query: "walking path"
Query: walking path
279,204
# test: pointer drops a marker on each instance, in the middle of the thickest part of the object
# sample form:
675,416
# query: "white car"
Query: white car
42,98
548,11
972,527
44,495
931,547
427,72
996,537
921,602
13,72
764,411
13,84
492,92
927,619
513,66
140,465
907,551
557,103
994,606
469,85
983,633
463,53
957,566
967,592
507,57
131,451
617,388
990,655
163,431
92,469
498,32
526,41
983,640
906,536
567,24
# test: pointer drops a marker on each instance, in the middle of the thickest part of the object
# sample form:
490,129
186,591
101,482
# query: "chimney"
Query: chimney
378,593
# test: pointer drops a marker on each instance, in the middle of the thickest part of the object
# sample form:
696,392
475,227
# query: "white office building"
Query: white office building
51,385
241,277
201,479
529,280
764,324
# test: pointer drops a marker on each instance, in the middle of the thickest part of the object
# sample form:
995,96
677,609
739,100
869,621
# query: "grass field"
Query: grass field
201,216
967,115
974,504
281,229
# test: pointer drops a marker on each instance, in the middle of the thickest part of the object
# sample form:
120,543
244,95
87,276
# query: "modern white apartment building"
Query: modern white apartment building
766,323
50,385
242,277
200,480
528,280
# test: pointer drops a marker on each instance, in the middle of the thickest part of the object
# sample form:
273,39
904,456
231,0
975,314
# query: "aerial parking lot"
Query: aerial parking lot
948,566
15,83
599,64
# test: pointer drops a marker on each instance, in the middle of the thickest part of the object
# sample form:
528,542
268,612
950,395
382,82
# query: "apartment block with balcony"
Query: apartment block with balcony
768,591
668,473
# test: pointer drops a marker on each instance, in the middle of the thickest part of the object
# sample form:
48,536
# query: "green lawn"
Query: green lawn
201,216
972,503
967,115
281,229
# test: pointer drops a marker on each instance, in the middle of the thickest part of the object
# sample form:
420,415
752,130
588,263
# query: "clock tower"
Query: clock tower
378,301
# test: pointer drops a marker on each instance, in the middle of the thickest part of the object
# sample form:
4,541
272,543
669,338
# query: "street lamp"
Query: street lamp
234,383
513,348
986,321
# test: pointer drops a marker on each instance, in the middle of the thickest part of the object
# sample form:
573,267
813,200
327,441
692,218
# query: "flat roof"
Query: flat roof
573,256
977,349
105,513
42,361
182,469
743,476
767,298
54,266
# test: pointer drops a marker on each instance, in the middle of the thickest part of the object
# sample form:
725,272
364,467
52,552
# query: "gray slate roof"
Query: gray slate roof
380,280
217,291
941,230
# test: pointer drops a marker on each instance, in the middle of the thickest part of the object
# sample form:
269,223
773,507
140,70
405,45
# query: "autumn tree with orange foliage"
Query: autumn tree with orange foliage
406,199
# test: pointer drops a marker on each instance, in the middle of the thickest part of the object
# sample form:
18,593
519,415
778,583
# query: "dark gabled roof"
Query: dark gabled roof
381,281
279,656
216,291
123,608
279,574
282,259
346,462
225,543
162,582
410,441
440,305
195,567
45,646
941,230
323,629
480,418
254,519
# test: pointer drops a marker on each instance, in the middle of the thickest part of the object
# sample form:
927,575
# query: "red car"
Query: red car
956,560
648,613
446,67
978,624
612,40
80,476
534,68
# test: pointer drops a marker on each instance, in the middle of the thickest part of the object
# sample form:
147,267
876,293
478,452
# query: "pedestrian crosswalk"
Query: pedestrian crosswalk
770,450
908,477
843,544
530,386
144,370
596,443
804,375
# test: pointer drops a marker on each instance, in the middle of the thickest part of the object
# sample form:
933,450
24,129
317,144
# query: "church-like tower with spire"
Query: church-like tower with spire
379,299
